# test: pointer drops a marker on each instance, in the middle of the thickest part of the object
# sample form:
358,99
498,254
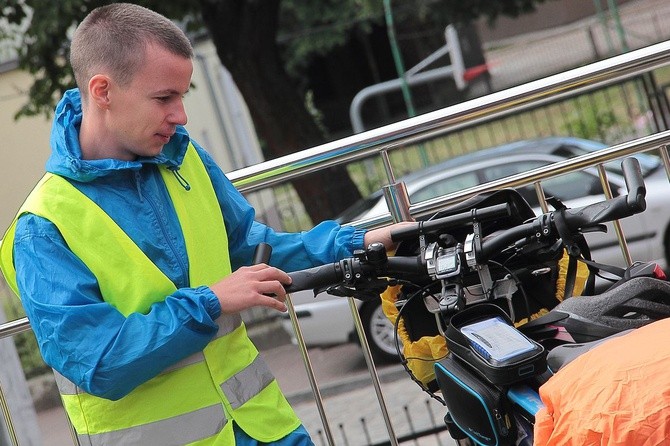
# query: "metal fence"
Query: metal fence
614,113
387,142
502,105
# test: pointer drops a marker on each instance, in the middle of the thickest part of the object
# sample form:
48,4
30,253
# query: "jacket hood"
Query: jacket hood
65,159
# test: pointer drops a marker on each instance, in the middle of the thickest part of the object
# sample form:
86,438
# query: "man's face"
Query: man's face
143,115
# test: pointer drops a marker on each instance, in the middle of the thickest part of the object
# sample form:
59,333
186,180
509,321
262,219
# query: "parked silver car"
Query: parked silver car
327,320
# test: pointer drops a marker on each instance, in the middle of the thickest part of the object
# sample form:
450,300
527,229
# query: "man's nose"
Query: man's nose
178,115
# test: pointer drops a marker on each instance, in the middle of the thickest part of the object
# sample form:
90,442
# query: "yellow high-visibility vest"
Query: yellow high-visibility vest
193,401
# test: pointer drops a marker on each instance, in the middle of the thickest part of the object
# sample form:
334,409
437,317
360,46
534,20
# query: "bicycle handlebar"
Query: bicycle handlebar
373,263
451,221
348,271
580,218
316,277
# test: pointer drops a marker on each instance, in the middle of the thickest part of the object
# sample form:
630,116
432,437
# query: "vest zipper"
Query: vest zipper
158,211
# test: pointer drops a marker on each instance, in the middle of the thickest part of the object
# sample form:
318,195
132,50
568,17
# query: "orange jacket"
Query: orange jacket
616,394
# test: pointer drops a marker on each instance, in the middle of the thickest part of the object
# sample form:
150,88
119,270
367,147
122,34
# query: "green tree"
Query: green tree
245,34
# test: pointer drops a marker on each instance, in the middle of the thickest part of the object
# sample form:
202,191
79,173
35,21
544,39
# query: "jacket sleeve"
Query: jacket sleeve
86,339
326,242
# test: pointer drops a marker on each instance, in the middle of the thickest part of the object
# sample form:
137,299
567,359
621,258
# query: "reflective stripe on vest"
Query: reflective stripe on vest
180,402
181,429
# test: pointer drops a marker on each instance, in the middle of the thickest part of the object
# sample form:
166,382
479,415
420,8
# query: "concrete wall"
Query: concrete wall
218,116
24,145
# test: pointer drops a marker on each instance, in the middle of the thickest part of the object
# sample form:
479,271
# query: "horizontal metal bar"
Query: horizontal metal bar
13,327
581,162
644,144
450,118
364,144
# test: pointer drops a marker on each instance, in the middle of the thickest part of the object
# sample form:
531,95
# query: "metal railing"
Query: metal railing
385,139
418,129
439,122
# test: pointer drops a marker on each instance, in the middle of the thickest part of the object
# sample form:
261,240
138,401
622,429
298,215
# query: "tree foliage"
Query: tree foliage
263,43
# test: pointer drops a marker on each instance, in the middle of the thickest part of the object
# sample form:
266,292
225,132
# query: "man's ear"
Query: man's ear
98,90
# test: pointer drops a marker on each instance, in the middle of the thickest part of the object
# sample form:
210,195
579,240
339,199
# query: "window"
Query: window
572,185
565,187
445,186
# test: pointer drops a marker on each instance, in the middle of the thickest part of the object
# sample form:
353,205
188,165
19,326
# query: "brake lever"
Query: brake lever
335,290
370,289
597,228
556,203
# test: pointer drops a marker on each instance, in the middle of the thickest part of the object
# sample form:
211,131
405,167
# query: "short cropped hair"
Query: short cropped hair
114,38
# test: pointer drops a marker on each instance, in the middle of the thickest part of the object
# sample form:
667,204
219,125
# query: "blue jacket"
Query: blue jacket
87,340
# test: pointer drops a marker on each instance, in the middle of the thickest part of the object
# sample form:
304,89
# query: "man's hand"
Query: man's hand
252,286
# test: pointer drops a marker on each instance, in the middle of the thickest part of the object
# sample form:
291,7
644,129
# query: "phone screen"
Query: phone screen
495,339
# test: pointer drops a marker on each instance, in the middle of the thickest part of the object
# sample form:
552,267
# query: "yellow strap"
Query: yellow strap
422,353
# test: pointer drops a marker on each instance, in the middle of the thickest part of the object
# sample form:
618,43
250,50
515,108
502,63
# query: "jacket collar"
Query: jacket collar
65,159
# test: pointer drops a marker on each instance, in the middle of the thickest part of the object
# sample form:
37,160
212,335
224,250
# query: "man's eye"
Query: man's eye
163,98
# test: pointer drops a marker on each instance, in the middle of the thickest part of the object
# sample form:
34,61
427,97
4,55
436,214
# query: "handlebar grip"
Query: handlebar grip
405,266
597,213
616,208
316,277
262,254
635,184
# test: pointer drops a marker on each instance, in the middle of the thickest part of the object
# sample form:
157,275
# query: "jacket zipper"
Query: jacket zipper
163,228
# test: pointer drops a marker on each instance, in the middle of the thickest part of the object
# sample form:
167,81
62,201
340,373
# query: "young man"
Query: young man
131,255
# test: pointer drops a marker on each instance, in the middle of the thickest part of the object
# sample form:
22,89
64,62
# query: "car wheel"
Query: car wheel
379,332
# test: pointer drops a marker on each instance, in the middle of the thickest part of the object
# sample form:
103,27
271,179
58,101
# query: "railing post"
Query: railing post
8,426
310,371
